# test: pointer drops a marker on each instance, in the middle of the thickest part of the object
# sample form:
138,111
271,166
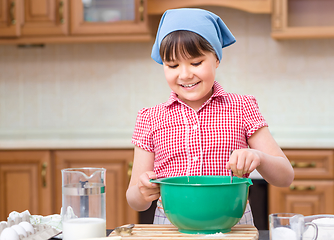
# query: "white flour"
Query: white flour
283,233
216,235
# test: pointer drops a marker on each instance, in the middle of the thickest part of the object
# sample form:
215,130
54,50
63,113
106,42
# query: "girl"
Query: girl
195,130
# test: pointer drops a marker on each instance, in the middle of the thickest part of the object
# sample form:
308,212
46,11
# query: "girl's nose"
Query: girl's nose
185,73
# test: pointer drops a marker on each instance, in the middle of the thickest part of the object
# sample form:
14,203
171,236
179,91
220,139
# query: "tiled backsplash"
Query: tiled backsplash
94,91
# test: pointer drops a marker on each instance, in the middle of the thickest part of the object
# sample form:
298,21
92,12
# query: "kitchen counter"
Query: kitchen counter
109,143
263,235
286,138
31,144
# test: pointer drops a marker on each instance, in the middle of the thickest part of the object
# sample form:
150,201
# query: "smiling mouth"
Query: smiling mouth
189,85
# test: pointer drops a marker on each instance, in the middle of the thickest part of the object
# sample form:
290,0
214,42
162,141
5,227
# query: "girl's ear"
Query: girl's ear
217,62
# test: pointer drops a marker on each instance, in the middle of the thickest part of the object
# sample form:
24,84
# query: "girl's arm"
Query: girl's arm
141,192
264,155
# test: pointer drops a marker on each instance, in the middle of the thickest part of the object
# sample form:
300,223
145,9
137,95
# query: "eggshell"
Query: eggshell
27,226
20,230
9,234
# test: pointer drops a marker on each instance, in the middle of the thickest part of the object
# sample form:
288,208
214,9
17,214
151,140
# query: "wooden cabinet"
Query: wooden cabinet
304,197
66,21
9,22
59,21
117,163
25,182
31,180
293,19
312,191
253,6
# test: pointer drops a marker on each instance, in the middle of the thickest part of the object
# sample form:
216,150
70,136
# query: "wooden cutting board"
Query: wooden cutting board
155,232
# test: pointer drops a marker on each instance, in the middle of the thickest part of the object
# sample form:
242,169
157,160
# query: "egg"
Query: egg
9,234
20,230
3,225
27,226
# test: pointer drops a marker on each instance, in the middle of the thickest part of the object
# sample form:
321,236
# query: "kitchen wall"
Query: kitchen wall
88,95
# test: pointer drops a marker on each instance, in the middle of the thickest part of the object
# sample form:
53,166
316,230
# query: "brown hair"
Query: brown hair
183,44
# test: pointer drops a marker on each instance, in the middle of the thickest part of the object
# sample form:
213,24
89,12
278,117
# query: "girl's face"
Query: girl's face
192,79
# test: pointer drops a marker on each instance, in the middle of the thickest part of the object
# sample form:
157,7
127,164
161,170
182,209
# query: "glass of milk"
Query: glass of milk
83,204
325,223
289,226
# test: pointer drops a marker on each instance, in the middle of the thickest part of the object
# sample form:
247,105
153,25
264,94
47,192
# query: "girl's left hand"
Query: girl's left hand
244,161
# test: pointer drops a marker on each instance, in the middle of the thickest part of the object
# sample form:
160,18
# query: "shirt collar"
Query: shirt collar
218,91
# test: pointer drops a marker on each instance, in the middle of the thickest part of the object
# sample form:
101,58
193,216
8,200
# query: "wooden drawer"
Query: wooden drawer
304,197
311,164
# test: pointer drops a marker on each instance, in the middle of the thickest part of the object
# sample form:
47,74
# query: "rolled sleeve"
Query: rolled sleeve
252,118
142,135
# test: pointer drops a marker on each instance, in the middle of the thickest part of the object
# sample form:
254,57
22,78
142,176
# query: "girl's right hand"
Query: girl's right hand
149,191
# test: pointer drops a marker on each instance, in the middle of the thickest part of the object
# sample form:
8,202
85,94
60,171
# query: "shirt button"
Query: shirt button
195,158
195,127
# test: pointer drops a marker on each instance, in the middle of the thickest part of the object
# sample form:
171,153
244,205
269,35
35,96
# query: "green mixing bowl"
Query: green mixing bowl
204,204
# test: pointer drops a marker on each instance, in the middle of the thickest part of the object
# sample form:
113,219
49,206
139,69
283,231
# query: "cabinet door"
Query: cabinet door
45,18
25,182
312,164
304,197
292,19
109,17
9,22
117,163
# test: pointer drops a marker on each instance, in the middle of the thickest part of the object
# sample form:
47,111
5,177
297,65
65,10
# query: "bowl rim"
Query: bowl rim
163,181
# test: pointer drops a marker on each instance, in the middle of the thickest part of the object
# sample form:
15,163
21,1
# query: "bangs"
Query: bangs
183,45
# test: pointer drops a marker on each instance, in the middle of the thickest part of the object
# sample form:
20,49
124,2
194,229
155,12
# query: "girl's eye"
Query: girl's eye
173,66
197,63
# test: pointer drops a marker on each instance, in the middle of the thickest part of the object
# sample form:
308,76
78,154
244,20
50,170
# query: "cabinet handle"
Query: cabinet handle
141,10
302,188
303,164
61,12
130,169
11,11
43,173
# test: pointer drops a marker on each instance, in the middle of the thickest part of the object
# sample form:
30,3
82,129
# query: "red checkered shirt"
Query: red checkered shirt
189,142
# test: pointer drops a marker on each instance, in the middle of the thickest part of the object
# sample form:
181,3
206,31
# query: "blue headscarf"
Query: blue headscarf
205,23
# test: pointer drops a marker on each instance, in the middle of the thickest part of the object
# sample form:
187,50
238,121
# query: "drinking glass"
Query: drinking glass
83,206
288,226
